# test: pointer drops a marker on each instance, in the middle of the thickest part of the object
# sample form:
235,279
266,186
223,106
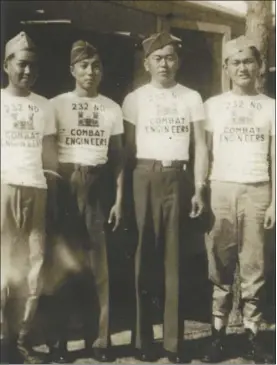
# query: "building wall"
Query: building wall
188,11
129,16
90,15
272,48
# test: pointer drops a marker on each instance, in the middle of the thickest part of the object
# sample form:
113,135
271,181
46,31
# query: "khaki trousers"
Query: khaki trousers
22,247
238,236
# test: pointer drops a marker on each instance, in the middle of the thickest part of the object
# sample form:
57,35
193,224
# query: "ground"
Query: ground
196,336
197,293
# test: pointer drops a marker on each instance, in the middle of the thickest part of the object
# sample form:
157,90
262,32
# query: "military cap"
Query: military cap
81,50
19,43
159,40
236,45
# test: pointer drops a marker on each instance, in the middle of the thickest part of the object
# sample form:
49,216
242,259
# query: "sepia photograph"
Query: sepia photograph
138,182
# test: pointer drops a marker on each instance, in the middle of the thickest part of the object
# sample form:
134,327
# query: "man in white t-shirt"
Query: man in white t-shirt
27,148
159,118
90,128
241,129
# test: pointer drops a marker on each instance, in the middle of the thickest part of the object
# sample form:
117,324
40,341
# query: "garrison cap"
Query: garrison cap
81,50
19,43
159,40
237,45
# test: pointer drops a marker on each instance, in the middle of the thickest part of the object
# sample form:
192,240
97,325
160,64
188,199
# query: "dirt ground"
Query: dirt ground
196,339
196,312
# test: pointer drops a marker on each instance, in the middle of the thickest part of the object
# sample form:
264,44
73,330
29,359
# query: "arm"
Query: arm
269,220
200,168
117,160
130,144
209,143
50,167
49,143
273,168
201,160
50,157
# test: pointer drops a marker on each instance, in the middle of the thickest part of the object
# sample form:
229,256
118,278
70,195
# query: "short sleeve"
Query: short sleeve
117,127
50,123
196,108
129,108
54,103
208,116
272,117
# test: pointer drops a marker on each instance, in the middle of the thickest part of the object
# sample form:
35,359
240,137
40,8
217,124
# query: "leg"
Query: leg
96,212
145,256
222,246
61,280
34,204
222,250
10,222
89,304
95,221
8,227
59,308
253,258
5,242
36,253
177,193
69,245
253,253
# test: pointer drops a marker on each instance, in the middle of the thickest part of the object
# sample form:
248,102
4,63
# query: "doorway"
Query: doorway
200,58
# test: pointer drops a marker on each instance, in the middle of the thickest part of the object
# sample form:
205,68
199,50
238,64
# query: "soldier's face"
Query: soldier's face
88,73
243,68
21,69
162,65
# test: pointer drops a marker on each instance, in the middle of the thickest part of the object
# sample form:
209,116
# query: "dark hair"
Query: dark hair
256,53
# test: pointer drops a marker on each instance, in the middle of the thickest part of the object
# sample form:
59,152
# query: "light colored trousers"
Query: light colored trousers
238,236
22,247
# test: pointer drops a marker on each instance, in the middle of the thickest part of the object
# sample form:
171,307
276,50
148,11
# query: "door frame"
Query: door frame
165,24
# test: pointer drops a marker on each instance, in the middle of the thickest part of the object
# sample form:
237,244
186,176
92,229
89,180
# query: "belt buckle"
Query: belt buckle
166,163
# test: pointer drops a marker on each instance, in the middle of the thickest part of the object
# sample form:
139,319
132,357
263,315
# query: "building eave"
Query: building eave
211,6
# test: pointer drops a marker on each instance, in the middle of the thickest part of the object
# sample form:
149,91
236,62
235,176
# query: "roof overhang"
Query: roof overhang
212,6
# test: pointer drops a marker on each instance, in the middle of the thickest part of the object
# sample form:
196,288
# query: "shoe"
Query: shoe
103,354
255,351
145,355
215,352
176,358
27,354
58,356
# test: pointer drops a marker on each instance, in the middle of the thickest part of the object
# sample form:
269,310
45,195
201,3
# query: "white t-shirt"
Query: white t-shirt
24,123
162,118
241,127
85,126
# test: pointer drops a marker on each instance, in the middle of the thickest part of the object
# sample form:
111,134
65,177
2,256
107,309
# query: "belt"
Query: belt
177,164
87,168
